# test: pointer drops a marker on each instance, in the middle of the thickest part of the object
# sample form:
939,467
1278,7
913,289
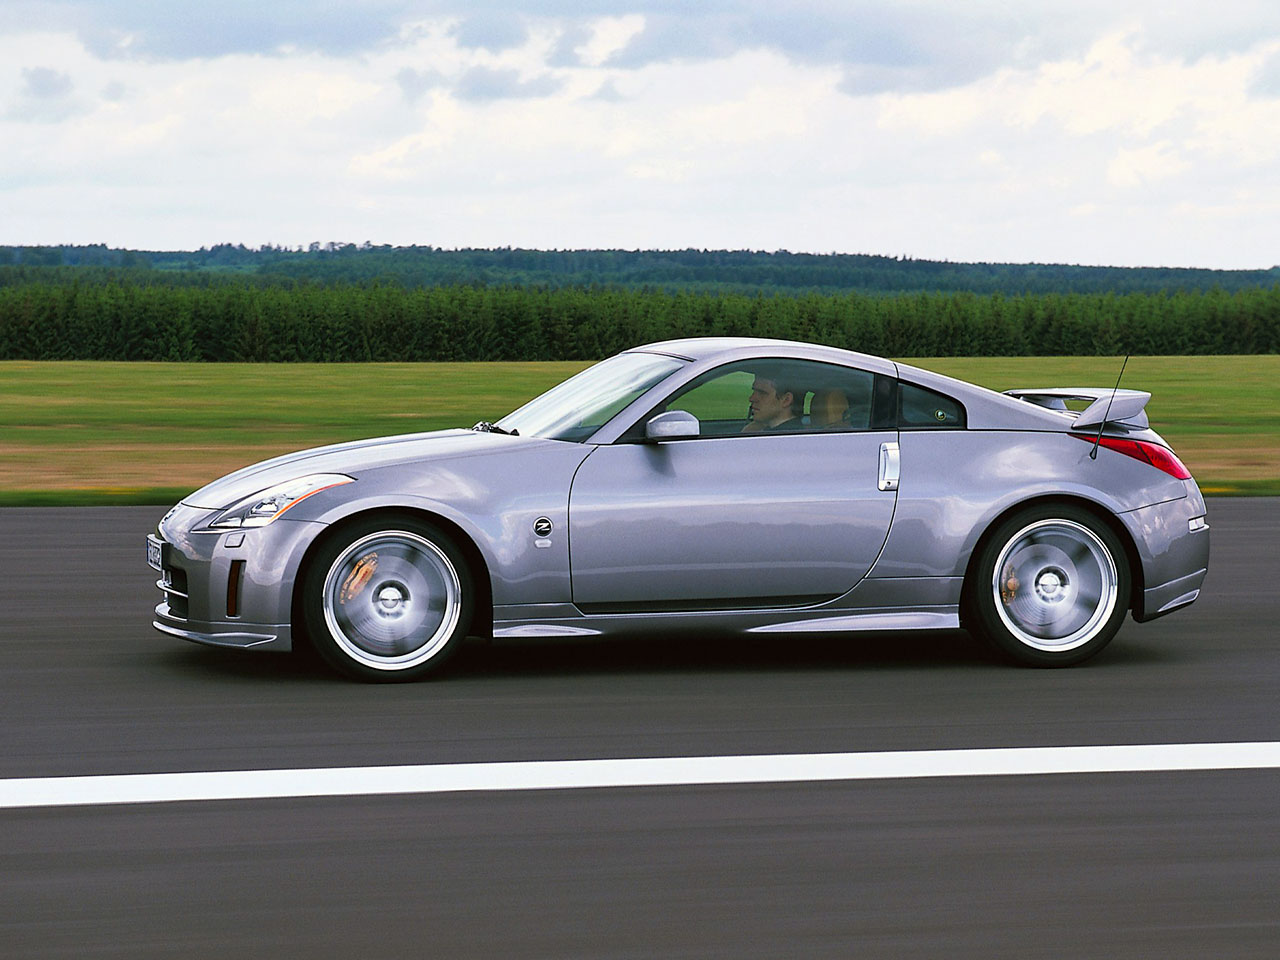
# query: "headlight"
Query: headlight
264,506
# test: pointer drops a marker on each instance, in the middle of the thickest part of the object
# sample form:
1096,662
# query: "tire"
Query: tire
388,600
1051,586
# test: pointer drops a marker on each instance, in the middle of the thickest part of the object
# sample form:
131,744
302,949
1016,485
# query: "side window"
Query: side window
919,407
720,399
774,396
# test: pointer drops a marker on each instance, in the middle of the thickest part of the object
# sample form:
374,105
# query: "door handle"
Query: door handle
889,466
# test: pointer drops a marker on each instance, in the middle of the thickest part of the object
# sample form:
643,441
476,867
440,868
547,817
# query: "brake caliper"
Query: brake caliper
1008,585
358,578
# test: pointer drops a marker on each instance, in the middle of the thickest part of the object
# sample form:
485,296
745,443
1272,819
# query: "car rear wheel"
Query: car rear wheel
389,600
1051,586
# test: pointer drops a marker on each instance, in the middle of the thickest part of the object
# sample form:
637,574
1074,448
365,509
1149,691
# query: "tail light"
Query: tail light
1162,458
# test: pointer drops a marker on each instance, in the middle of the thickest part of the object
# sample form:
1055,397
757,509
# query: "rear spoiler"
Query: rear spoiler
1105,405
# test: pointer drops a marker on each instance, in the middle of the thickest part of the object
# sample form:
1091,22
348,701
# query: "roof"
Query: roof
705,348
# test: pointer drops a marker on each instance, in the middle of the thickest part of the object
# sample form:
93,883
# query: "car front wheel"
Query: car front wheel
389,600
1051,586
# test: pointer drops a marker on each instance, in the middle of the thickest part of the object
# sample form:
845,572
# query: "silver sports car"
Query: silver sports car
741,485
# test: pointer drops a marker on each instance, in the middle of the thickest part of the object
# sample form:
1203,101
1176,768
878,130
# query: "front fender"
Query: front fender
493,500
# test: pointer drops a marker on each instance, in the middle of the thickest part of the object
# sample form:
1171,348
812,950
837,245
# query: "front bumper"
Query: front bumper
229,588
240,635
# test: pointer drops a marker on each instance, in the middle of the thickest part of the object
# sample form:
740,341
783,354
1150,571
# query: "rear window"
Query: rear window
919,408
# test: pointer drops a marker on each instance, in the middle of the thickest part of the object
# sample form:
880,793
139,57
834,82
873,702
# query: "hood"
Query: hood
351,458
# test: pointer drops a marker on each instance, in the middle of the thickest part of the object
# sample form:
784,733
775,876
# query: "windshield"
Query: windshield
582,404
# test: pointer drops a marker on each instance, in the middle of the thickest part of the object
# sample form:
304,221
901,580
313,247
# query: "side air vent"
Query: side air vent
234,577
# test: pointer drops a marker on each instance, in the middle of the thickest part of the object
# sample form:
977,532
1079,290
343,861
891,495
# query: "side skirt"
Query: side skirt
943,617
875,604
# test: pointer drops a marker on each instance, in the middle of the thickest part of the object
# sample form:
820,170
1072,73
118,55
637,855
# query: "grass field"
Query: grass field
81,433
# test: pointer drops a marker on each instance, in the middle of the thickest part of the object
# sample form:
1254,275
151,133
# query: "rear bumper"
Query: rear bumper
1168,597
1172,539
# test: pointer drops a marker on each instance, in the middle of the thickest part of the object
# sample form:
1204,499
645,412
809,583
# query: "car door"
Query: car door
734,519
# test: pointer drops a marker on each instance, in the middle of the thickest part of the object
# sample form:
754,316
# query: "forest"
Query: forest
738,271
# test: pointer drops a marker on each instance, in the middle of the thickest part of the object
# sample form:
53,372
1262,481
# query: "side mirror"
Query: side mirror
672,425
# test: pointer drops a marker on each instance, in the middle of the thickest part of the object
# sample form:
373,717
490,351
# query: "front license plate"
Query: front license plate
153,552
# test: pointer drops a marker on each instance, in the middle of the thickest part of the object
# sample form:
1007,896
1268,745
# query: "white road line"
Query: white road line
634,772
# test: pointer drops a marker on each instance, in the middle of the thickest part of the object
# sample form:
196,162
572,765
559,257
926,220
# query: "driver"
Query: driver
776,404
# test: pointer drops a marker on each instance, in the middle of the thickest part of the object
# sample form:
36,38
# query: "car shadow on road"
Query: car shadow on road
924,651
669,655
723,654
678,653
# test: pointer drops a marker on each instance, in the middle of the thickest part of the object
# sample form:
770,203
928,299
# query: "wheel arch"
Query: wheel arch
1099,511
482,615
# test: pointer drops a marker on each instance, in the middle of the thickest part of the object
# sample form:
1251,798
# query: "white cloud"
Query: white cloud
608,36
933,114
1134,167
484,83
1121,118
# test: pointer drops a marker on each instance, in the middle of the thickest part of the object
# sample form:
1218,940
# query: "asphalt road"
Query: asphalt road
1114,865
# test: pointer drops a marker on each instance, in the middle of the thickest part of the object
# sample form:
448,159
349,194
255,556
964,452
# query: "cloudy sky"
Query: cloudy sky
1080,131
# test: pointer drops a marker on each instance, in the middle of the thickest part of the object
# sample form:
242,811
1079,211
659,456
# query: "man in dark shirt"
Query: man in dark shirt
775,405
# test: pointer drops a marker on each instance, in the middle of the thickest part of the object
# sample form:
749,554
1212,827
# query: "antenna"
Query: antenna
1093,454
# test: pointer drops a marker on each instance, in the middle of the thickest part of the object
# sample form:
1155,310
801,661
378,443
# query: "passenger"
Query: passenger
829,410
775,404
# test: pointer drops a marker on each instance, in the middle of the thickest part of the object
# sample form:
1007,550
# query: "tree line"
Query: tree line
744,271
238,321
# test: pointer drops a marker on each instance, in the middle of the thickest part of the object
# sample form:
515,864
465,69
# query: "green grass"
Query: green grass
99,433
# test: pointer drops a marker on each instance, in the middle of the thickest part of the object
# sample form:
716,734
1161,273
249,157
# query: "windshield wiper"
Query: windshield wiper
484,426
